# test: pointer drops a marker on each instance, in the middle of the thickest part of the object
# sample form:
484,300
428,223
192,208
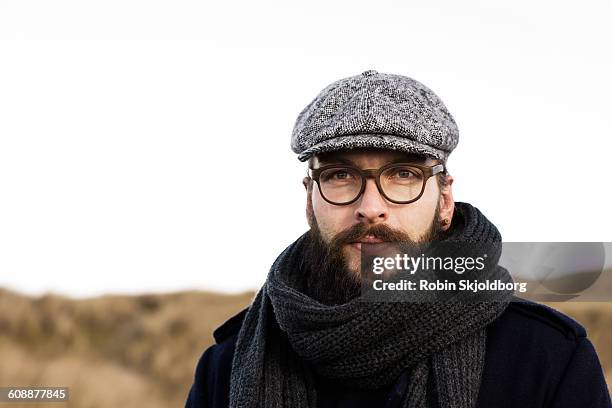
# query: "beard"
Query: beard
327,276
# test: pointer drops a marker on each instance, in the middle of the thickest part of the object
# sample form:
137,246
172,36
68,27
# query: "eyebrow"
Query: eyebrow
342,160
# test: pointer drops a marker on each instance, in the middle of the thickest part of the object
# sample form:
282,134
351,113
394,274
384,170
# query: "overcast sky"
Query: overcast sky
144,145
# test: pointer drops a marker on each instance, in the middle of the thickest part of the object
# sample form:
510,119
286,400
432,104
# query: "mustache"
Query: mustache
358,231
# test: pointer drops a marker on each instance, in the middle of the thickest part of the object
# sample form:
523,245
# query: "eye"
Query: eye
403,173
338,175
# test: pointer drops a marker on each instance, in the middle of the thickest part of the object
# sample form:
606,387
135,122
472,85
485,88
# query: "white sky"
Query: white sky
122,123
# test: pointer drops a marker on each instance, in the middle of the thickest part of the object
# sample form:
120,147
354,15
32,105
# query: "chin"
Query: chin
353,261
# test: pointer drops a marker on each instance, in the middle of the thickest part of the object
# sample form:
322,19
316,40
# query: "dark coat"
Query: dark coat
536,357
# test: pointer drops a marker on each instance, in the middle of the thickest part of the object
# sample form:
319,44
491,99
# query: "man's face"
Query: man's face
372,218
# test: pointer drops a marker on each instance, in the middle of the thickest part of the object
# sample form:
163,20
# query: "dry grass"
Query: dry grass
112,351
135,351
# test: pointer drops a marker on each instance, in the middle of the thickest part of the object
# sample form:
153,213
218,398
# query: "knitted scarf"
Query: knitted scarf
287,336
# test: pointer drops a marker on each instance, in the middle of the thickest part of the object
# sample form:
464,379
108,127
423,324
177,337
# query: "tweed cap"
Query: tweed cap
379,110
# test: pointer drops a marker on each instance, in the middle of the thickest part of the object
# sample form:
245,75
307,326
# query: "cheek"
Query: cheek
416,218
331,219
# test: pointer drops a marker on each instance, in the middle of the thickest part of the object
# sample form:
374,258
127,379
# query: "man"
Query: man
377,146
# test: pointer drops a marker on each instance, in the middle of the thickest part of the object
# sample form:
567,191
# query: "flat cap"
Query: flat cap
379,110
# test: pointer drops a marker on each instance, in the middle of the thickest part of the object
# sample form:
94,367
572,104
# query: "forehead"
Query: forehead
369,155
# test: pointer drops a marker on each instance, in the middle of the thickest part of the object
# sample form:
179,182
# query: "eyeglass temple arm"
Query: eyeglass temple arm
438,168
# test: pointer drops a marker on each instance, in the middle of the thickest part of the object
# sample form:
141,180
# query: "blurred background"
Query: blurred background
141,351
143,143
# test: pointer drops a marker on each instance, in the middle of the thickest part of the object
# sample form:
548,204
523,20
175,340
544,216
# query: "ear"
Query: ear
305,182
447,203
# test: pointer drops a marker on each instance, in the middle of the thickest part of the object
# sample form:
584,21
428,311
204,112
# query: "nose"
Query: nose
371,207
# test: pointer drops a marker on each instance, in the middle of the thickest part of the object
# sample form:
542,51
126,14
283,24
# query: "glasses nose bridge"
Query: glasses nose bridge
370,174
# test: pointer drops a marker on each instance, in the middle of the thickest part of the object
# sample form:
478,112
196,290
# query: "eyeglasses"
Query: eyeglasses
400,183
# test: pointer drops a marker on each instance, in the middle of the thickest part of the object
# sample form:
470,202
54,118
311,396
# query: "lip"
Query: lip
368,239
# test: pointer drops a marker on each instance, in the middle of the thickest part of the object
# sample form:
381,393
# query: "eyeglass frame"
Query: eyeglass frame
428,172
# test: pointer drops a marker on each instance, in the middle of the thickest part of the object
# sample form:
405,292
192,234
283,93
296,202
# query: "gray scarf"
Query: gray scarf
286,336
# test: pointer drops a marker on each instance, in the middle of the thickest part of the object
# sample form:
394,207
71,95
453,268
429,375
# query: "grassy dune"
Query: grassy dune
135,351
112,351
